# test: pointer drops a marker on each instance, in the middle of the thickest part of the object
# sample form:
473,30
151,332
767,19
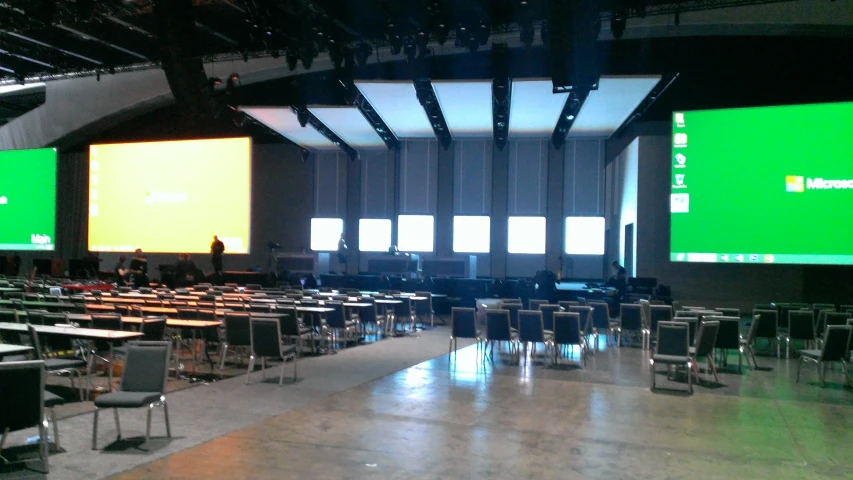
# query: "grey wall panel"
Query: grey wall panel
472,177
583,192
528,177
330,184
377,184
418,177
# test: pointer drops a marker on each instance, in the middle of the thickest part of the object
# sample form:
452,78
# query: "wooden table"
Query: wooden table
7,349
80,333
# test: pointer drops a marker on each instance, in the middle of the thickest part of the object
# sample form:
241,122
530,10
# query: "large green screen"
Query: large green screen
27,199
763,185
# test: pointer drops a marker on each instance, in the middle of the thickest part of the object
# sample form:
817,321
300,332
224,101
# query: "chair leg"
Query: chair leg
148,428
166,414
713,368
222,360
44,445
251,367
652,372
118,425
294,367
95,430
799,364
281,374
55,428
689,378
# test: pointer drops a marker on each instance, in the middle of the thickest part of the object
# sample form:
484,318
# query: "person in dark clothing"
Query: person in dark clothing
185,271
121,272
217,248
546,285
342,254
139,269
619,281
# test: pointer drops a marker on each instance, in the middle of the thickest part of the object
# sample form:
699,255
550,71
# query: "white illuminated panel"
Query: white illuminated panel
350,125
526,235
467,107
284,121
471,234
18,88
584,236
415,233
534,109
374,234
326,233
398,106
608,107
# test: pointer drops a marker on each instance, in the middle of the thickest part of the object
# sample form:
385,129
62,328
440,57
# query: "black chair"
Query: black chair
101,348
672,349
143,383
337,323
748,343
463,324
567,304
8,315
403,311
632,320
291,329
658,313
601,323
706,339
836,348
729,312
423,308
728,338
800,327
22,403
153,328
265,339
237,334
59,366
531,329
568,333
768,327
585,315
548,311
513,309
499,330
367,316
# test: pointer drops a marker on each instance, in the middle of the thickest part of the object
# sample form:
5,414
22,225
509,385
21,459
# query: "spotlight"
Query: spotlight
410,50
302,116
362,53
618,21
473,45
292,60
527,34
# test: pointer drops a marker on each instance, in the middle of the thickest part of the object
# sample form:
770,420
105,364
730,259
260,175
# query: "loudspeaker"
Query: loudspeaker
573,28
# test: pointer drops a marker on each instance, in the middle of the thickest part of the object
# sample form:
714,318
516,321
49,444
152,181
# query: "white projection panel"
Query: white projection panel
415,233
608,107
284,121
350,125
526,235
584,235
398,105
374,234
467,107
534,108
325,234
471,234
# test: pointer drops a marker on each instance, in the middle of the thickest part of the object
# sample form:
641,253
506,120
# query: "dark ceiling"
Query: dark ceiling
41,39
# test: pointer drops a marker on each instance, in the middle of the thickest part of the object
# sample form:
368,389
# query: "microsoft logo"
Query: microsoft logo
797,184
793,183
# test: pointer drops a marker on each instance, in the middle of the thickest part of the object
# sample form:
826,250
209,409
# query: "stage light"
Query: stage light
292,60
618,21
527,34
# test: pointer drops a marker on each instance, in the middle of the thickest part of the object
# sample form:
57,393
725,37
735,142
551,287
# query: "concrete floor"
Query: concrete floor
456,417
357,415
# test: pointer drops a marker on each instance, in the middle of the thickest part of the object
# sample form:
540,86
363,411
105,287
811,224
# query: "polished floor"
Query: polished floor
458,417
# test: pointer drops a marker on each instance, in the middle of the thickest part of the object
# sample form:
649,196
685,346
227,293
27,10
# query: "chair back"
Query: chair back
463,322
21,394
153,328
567,304
146,366
836,343
513,309
497,325
505,301
585,314
659,313
706,337
768,324
686,314
753,329
288,321
548,311
9,315
367,314
424,306
265,337
728,335
673,338
600,316
187,313
534,303
237,329
567,328
582,301
837,318
784,309
259,307
54,318
106,321
801,324
647,311
729,312
336,318
531,326
36,317
631,315
35,341
403,309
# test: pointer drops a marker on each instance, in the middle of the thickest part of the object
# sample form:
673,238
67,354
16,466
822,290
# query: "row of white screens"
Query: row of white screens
471,234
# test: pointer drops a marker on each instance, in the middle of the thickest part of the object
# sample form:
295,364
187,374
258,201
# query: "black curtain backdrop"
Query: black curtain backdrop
72,197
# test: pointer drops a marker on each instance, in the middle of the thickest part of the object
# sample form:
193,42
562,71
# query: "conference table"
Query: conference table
34,305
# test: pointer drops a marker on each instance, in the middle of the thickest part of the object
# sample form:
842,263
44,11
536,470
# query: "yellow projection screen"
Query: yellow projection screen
170,196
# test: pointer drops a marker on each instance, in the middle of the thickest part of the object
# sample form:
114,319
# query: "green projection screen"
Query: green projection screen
763,185
27,199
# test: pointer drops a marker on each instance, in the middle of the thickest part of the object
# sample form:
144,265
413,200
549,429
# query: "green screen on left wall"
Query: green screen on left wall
28,199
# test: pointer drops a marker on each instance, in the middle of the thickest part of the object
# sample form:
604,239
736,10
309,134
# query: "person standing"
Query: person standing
217,248
342,254
139,269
